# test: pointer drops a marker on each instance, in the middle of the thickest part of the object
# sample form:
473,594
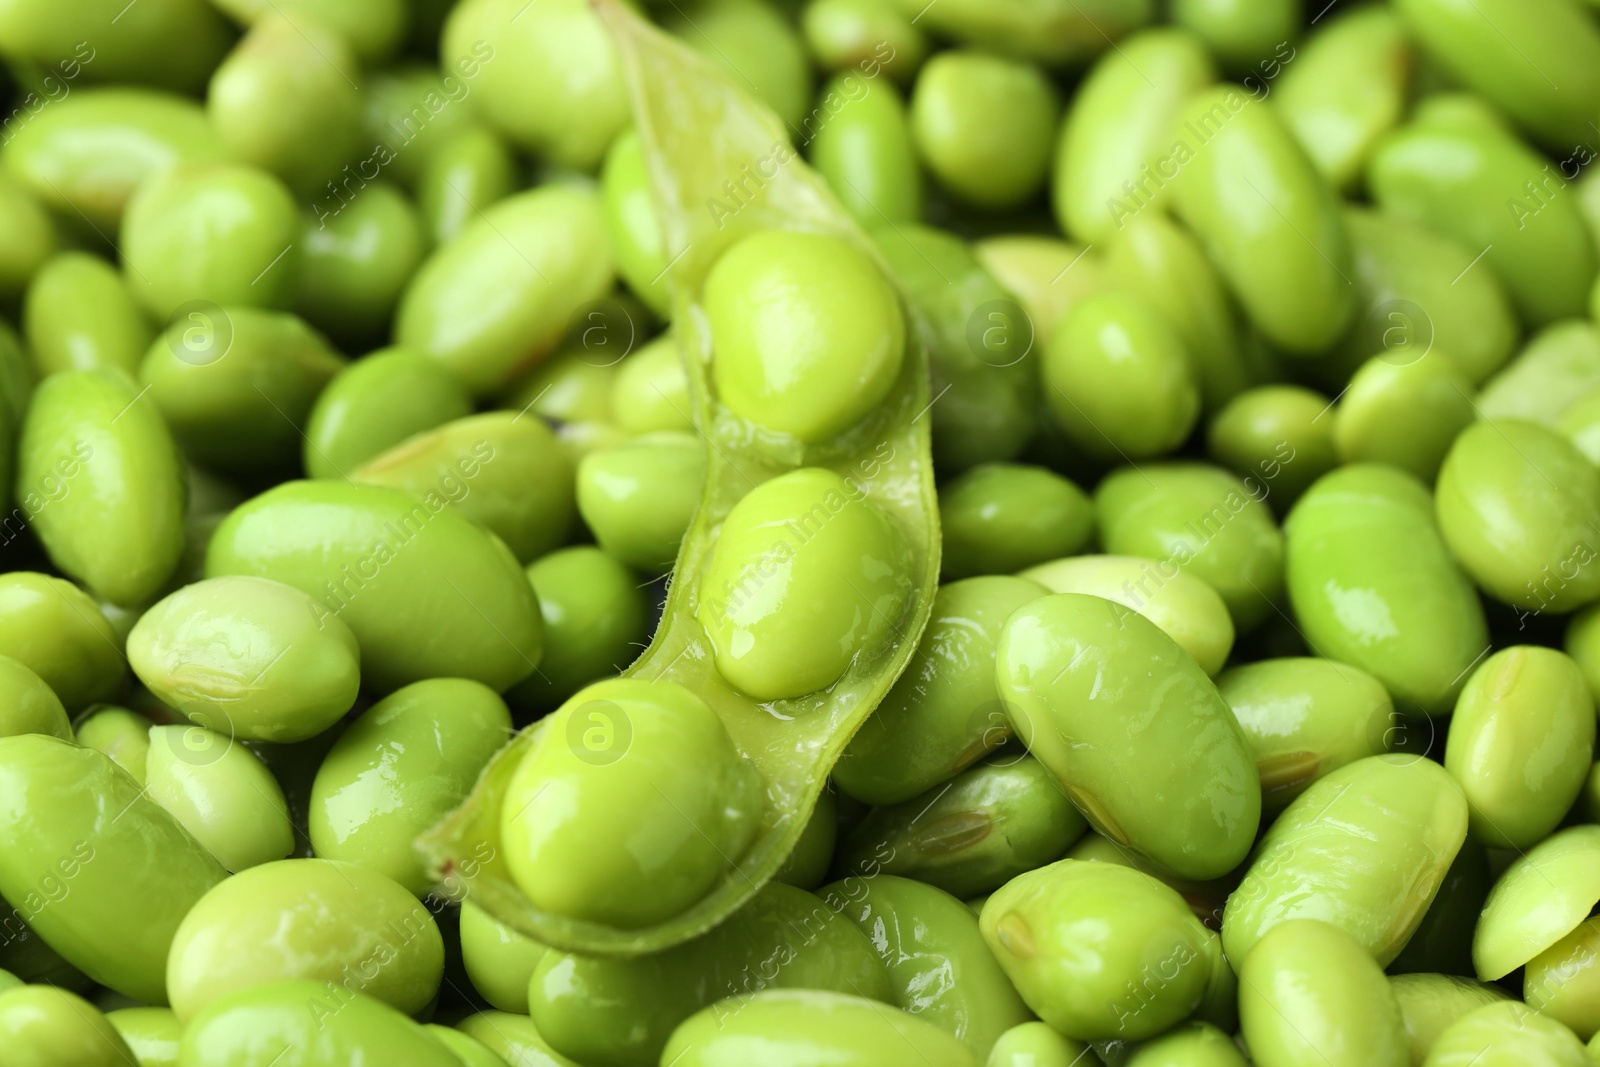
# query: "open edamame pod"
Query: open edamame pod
855,475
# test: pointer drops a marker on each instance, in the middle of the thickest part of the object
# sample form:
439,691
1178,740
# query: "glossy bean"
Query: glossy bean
375,403
79,314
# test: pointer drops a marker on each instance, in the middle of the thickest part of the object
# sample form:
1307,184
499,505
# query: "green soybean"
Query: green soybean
1544,895
1470,184
623,1011
863,34
28,705
1204,520
1185,608
355,263
1279,436
372,27
1282,250
301,1023
1561,982
497,297
944,712
1364,849
469,1050
1195,1044
221,793
982,124
118,733
1241,34
991,823
218,233
208,651
57,631
79,314
1118,131
1036,1045
1346,91
1082,941
938,965
863,145
1305,718
815,1027
1431,1002
498,960
285,100
514,479
631,222
1504,1034
1373,585
1056,32
400,768
33,237
548,79
236,391
1000,518
740,37
470,172
1546,44
1079,676
1519,506
594,614
649,391
639,497
151,1034
1045,275
90,151
79,829
1443,941
1523,707
1158,261
348,929
512,1039
1120,380
1309,993
426,592
93,434
1429,398
42,1027
1555,371
375,403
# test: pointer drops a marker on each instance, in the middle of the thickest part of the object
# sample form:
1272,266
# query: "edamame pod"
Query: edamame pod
517,482
622,1011
301,1023
1305,718
78,836
221,793
350,930
1119,130
1364,849
235,399
1133,729
1185,608
1373,585
375,403
1519,506
1346,90
1523,708
90,151
208,649
55,630
1099,951
1309,993
1205,520
1490,192
79,314
812,1027
400,768
862,145
1279,241
973,834
944,712
885,462
938,965
92,434
496,298
1542,68
426,592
